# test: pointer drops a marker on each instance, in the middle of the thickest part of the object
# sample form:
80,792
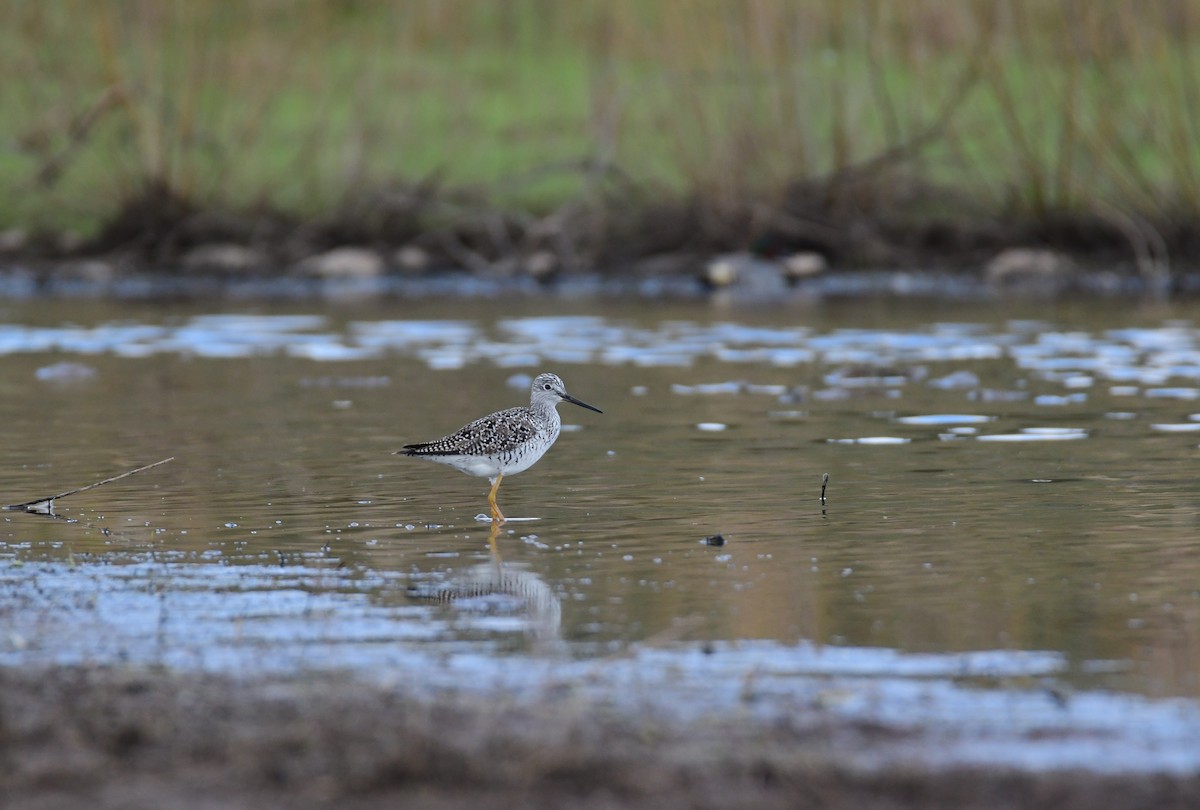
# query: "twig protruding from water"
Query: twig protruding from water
45,506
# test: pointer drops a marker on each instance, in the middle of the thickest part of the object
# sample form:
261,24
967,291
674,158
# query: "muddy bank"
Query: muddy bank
131,738
817,240
736,277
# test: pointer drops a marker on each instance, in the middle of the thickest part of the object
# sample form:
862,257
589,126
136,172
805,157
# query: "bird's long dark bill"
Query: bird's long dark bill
574,401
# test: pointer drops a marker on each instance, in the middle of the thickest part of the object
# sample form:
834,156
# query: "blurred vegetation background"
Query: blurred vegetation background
727,120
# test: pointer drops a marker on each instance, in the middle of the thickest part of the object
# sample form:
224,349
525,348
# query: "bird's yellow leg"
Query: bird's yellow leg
497,515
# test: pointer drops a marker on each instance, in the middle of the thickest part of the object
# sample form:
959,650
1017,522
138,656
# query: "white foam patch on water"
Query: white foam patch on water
1036,435
859,379
1173,393
1059,400
730,387
578,328
402,334
790,357
332,352
444,360
65,372
881,440
945,419
955,380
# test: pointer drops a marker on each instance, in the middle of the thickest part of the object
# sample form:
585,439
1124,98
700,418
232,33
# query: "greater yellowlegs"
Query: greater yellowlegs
506,442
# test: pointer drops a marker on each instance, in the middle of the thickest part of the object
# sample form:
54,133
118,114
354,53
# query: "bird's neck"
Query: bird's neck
545,412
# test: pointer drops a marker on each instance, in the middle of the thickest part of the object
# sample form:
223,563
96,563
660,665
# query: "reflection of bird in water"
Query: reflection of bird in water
497,579
506,442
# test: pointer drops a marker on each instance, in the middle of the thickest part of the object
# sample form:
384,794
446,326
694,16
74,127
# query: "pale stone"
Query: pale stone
343,263
226,259
13,240
804,265
721,271
94,271
411,257
1018,266
541,264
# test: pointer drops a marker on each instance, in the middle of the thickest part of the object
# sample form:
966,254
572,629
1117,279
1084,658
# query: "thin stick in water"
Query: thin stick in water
30,506
824,482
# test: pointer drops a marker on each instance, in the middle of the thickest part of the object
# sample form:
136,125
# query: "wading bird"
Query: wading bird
506,442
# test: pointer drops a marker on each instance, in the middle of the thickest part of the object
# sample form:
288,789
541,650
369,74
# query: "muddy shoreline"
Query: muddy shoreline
109,737
737,278
414,242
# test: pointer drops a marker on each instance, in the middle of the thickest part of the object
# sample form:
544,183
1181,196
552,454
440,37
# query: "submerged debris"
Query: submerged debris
65,372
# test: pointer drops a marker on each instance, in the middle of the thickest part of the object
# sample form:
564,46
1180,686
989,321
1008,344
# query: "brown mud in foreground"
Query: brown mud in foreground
618,230
111,738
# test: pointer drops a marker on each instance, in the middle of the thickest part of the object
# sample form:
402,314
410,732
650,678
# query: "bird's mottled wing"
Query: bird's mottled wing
487,435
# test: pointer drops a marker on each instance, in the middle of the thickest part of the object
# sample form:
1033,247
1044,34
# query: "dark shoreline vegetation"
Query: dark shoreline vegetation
615,139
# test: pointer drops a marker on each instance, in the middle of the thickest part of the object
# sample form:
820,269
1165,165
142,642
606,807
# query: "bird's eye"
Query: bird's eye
548,387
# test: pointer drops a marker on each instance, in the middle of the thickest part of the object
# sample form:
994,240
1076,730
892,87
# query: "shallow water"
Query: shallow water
1005,480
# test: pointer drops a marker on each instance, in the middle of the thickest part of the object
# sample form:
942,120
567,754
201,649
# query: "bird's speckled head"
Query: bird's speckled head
550,388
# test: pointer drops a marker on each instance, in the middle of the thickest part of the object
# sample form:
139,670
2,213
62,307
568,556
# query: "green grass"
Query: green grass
302,106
